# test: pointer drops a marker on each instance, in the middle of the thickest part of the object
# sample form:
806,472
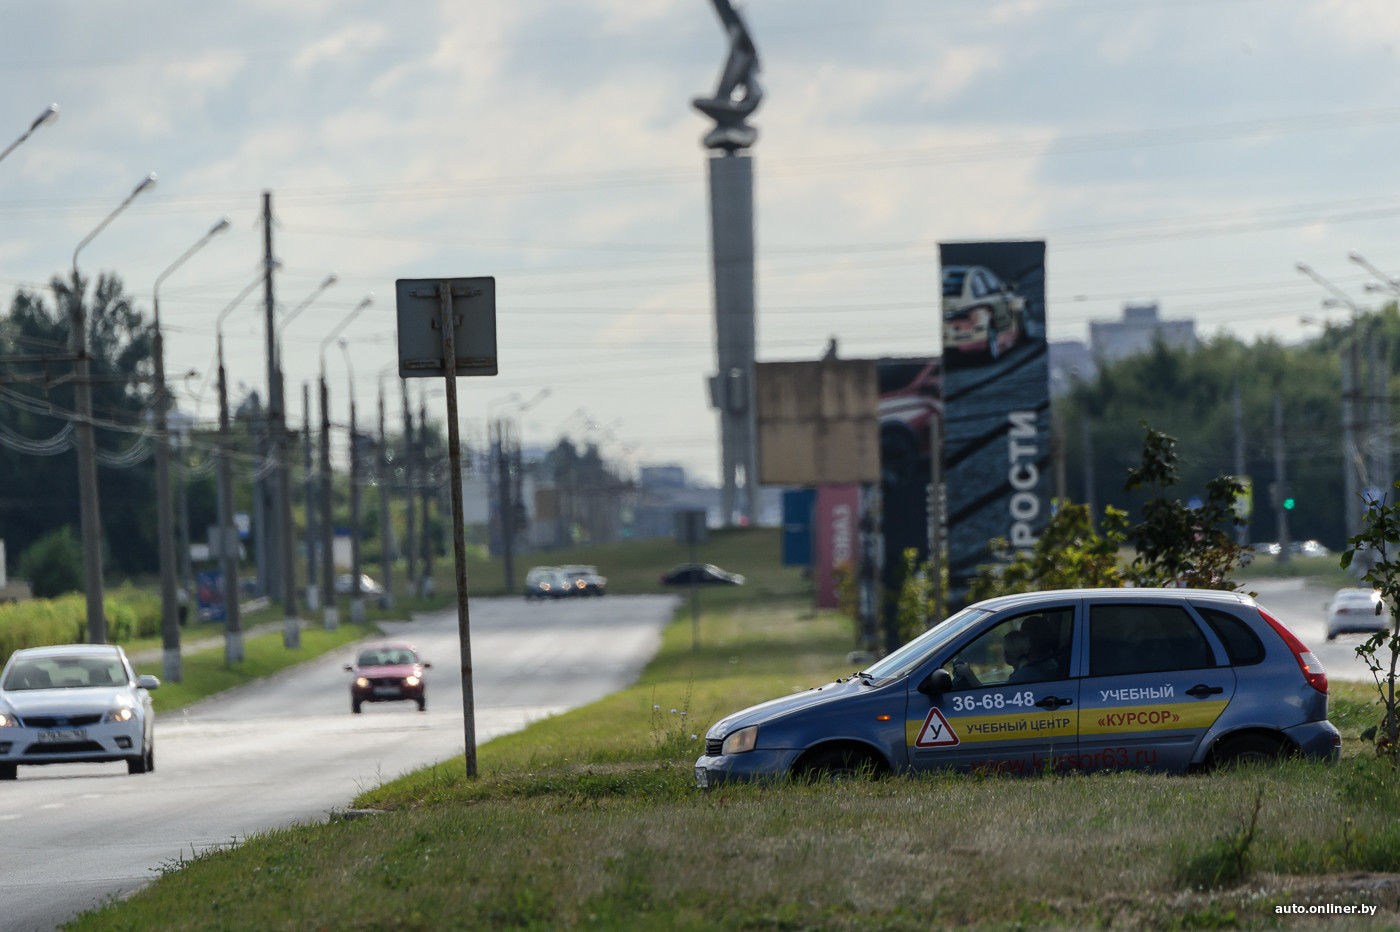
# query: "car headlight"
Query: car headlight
737,742
124,714
361,681
411,680
9,720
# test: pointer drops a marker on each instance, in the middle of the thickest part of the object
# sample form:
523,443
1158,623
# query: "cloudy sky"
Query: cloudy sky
1185,151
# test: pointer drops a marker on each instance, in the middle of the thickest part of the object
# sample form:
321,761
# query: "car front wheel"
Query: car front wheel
1247,749
355,706
142,763
9,771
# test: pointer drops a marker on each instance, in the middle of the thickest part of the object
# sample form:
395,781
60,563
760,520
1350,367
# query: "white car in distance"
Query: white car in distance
75,703
1353,610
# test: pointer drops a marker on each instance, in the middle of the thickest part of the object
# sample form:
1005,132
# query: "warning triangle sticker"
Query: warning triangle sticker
936,733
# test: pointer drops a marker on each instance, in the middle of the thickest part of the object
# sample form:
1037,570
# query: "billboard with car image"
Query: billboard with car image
996,397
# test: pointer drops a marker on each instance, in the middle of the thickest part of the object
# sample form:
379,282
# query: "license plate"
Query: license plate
61,735
386,690
702,777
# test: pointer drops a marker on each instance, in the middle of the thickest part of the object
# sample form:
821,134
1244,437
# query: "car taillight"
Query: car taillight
1307,660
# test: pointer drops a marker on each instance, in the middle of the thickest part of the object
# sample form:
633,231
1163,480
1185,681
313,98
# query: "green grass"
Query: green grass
590,821
203,674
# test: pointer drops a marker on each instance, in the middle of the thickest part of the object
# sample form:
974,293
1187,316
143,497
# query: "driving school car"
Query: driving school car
1089,679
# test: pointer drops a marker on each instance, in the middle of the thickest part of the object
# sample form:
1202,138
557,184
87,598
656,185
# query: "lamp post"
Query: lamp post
1350,381
48,116
1380,389
87,441
357,605
329,613
228,538
292,632
165,521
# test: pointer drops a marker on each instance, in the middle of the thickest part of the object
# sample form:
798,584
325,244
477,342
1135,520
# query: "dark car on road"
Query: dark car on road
583,580
704,574
388,671
1083,679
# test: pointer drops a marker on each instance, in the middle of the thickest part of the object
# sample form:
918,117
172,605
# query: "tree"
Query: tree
1378,548
53,564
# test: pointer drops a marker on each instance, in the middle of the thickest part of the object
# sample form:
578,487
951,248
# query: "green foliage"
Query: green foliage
53,564
1177,545
1070,554
916,605
41,622
1374,550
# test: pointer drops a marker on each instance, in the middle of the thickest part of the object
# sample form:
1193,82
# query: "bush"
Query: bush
53,564
42,622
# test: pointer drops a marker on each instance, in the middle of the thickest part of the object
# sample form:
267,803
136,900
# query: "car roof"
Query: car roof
70,650
380,645
1126,594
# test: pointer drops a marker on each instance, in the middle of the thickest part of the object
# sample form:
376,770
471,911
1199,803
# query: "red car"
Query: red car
388,671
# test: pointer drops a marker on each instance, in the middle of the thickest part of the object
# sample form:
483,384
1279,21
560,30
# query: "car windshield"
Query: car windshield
902,661
386,657
953,282
65,673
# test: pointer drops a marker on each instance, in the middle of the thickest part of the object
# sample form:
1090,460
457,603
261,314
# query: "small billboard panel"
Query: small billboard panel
836,539
996,393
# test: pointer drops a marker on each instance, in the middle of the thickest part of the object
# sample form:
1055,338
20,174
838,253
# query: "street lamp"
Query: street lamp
1381,461
165,520
279,397
228,539
48,116
87,442
329,614
1350,381
357,605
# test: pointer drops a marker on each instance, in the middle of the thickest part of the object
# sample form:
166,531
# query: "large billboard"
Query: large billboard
996,394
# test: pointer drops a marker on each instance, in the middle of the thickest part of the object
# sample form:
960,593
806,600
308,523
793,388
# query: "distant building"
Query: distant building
1111,340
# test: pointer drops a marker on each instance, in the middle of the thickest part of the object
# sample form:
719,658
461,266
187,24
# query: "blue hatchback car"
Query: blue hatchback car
1086,679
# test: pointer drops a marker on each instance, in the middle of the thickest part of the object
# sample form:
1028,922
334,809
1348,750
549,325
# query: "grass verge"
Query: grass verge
589,821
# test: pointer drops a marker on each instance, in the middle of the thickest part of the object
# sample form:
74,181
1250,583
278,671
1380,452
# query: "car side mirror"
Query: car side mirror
936,683
427,666
146,681
349,668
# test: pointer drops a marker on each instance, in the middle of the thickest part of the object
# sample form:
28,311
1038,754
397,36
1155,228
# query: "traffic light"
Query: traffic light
1289,502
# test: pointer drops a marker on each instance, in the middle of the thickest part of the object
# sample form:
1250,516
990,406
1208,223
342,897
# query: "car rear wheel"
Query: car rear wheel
1247,749
9,771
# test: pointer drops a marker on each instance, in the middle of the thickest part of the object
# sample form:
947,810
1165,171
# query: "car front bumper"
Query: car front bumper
758,764
1317,741
91,743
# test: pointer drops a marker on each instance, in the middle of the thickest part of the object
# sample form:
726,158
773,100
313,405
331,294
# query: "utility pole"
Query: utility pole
313,601
1087,442
935,519
183,493
505,502
1351,488
357,604
91,523
329,615
1237,409
410,455
386,528
426,493
228,538
277,420
1281,480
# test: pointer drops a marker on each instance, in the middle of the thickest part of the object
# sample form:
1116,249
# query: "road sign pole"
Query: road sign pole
459,541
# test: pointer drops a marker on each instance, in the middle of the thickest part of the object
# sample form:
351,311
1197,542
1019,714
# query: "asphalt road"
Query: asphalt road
288,749
1302,605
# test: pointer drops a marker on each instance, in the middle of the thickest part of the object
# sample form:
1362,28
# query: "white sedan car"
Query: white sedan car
75,703
1355,610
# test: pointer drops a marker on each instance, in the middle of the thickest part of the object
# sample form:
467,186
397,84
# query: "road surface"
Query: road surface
288,749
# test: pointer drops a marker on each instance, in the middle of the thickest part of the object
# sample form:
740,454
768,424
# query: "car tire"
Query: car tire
423,704
1247,749
993,343
137,764
837,765
9,771
355,706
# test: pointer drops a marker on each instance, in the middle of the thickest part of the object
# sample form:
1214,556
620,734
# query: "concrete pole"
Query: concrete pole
313,599
429,586
1241,468
1350,493
1281,477
171,668
357,604
329,614
732,389
409,481
386,527
228,538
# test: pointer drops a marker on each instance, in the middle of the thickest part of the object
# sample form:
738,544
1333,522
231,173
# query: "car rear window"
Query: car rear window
1242,645
1130,639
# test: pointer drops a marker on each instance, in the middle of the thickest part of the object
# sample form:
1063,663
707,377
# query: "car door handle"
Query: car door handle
1053,702
1201,690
